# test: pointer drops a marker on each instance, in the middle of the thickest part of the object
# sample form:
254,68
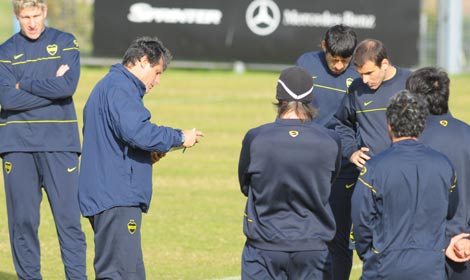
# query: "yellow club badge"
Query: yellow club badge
363,171
131,226
349,82
8,167
444,123
293,133
52,49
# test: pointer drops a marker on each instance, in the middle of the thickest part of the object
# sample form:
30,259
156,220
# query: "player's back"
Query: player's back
290,170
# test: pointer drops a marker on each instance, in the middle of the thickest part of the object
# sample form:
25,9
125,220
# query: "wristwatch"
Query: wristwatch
183,138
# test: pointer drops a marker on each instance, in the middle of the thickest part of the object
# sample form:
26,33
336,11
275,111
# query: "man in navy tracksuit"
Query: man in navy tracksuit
120,143
403,198
449,136
39,141
361,120
286,169
332,74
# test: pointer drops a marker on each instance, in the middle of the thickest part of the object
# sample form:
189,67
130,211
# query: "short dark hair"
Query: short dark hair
406,114
340,40
370,50
150,47
433,83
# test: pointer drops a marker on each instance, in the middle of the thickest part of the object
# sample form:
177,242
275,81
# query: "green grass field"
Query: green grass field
194,227
6,20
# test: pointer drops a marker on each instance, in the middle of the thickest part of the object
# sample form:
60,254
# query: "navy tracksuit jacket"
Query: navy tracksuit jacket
451,137
361,120
41,116
403,199
329,89
118,138
286,169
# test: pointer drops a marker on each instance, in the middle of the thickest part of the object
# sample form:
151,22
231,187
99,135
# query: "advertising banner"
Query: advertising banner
253,31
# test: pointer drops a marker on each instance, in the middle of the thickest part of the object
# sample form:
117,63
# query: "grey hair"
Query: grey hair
407,113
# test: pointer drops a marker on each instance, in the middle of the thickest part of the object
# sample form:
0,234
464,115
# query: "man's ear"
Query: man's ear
390,132
323,45
385,64
144,61
44,9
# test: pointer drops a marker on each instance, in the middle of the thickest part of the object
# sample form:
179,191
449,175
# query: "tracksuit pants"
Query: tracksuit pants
457,271
25,174
258,264
339,247
118,249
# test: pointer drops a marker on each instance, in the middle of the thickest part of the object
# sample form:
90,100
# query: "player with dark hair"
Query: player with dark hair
120,144
332,74
403,198
39,140
288,220
331,70
361,120
449,136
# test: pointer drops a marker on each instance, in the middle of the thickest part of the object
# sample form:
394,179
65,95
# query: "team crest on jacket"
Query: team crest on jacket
131,226
349,82
444,123
52,49
293,133
363,171
8,167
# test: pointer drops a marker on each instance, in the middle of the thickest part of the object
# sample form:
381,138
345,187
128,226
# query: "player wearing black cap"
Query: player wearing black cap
286,169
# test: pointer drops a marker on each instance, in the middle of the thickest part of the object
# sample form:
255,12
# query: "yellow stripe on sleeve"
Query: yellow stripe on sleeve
367,184
38,121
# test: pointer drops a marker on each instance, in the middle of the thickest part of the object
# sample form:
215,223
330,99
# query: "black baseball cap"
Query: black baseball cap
295,84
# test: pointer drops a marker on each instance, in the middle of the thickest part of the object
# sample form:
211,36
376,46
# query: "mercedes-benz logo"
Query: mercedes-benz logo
263,17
